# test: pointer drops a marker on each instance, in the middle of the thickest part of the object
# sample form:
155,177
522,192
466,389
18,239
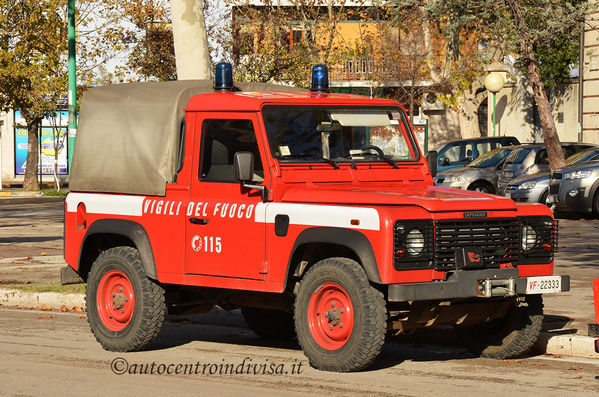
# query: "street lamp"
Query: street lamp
494,83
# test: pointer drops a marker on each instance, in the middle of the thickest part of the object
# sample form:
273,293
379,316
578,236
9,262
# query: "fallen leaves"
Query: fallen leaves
46,316
78,309
43,254
575,369
45,308
512,361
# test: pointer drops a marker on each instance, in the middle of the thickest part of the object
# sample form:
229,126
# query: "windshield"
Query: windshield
585,155
309,134
517,156
490,159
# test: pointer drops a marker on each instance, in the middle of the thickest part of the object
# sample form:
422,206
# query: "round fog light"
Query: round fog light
529,238
415,242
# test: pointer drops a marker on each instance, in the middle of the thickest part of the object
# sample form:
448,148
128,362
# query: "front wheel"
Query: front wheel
509,336
125,309
482,187
340,319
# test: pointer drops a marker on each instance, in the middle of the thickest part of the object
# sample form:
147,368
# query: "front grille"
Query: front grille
497,240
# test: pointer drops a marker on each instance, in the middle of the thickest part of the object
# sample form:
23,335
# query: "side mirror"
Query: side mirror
244,166
431,157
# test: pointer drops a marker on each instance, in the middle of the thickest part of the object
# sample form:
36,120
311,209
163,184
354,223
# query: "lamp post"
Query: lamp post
72,134
494,83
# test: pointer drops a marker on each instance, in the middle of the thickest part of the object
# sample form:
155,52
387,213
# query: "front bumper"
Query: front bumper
467,284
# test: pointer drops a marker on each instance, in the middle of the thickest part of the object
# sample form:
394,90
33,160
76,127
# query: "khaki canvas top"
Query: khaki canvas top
127,138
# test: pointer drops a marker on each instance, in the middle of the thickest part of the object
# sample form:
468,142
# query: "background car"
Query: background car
459,153
576,188
532,159
535,188
480,175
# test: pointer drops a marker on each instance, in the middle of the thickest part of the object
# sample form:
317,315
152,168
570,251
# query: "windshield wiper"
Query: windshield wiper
379,153
331,162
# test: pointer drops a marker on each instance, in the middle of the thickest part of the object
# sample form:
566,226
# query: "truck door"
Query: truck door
222,237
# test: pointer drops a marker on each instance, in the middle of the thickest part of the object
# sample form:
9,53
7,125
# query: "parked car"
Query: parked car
535,188
480,175
459,153
576,188
532,159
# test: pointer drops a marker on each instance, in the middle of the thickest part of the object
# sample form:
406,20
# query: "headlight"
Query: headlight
455,178
578,174
414,242
529,238
527,186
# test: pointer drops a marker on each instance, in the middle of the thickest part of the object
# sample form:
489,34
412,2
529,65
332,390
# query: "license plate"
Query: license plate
543,285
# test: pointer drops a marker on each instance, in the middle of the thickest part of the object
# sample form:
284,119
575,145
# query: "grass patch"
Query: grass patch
63,289
55,193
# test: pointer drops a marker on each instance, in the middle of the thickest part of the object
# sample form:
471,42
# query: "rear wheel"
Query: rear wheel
596,203
340,319
482,187
125,309
507,337
269,323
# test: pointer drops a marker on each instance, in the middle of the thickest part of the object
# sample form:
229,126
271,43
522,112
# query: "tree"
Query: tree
32,66
274,42
541,33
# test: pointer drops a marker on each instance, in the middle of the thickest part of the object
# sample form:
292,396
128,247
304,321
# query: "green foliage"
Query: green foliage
32,62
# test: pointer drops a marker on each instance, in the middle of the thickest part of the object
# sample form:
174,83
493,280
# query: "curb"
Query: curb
566,345
548,343
54,300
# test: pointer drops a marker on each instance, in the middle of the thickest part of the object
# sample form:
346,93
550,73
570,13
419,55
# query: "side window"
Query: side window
221,139
542,157
457,154
484,147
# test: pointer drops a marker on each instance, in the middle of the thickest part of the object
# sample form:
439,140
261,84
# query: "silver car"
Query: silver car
535,188
575,188
479,175
532,159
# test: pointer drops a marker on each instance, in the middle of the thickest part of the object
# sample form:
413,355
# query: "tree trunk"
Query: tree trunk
190,38
552,143
31,182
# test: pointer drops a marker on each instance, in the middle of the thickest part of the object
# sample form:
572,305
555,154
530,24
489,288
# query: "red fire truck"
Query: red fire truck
315,213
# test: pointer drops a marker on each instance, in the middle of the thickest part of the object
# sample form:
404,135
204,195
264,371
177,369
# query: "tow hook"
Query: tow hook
496,287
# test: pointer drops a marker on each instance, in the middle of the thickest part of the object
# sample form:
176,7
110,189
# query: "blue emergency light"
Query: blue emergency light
223,77
320,78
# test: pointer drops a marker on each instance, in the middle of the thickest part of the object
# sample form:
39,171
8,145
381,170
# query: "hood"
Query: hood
431,198
531,178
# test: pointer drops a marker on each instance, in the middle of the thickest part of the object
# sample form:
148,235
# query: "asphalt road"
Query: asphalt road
55,354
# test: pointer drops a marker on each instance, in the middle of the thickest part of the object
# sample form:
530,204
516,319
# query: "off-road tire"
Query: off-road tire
482,187
363,344
269,323
507,337
147,311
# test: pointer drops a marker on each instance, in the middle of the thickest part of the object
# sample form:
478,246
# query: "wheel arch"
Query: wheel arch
317,243
107,233
483,182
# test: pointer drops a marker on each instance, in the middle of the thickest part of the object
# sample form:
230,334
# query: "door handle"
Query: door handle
198,221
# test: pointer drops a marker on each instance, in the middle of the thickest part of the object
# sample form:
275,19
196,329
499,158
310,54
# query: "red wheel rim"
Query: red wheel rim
330,316
115,300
